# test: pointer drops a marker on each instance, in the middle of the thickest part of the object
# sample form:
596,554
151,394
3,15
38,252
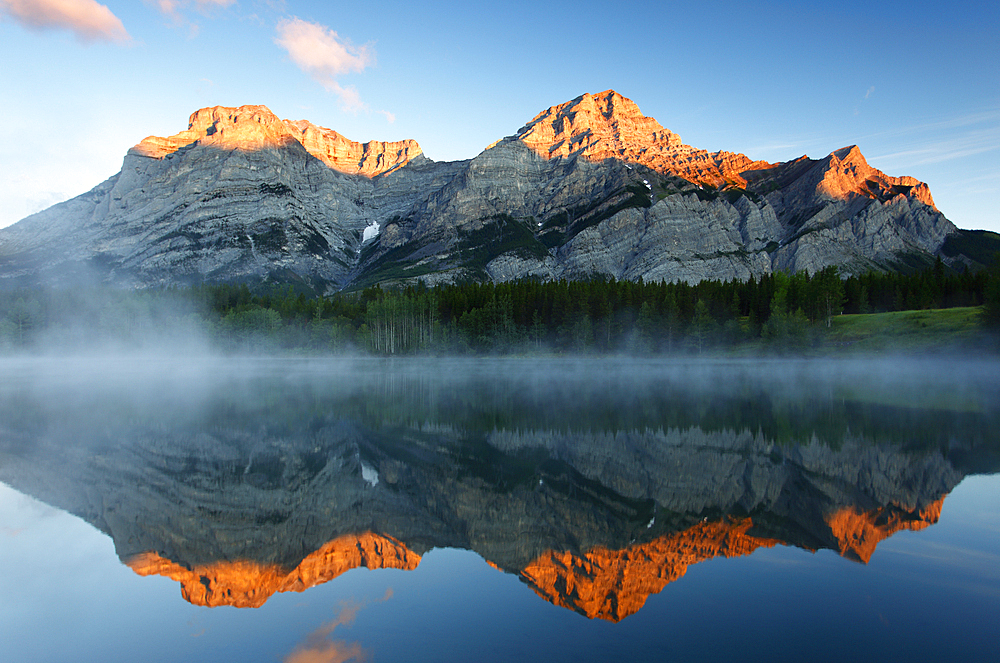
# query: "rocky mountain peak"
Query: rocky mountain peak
847,174
610,126
591,186
250,128
598,126
245,128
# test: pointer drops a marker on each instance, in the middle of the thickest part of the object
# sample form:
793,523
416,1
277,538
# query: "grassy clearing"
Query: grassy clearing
942,333
906,332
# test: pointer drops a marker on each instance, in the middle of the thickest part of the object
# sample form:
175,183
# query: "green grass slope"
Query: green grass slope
907,332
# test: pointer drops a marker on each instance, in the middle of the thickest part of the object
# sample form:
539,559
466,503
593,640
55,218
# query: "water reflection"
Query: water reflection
597,484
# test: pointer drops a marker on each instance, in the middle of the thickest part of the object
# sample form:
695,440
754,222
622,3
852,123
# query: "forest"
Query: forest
774,313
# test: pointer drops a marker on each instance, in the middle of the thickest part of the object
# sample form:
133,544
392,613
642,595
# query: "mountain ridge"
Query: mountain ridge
629,135
590,186
256,127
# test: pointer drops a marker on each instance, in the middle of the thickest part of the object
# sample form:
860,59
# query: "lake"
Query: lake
552,509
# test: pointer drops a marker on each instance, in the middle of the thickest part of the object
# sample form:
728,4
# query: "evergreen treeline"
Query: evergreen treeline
599,315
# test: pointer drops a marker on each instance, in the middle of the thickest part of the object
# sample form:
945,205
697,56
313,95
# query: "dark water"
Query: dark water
495,510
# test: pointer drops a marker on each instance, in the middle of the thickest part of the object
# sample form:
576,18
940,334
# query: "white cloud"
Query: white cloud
389,117
318,51
87,19
350,100
319,648
170,8
174,9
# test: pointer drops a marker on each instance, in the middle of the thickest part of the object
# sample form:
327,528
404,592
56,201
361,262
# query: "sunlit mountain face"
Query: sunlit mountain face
587,187
597,485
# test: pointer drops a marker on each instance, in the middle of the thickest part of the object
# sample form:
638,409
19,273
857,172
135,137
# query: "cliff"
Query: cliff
609,126
590,186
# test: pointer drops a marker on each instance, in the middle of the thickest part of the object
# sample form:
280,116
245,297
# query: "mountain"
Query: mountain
591,186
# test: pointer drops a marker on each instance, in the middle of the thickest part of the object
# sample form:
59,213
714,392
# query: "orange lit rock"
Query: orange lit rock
247,584
848,174
369,159
613,584
859,532
245,128
256,127
610,126
243,196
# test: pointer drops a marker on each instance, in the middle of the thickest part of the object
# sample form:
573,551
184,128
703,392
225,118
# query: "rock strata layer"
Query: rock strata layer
590,186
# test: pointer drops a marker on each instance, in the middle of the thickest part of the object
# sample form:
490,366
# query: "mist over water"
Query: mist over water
805,398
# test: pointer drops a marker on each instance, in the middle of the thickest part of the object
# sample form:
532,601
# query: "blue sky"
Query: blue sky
915,85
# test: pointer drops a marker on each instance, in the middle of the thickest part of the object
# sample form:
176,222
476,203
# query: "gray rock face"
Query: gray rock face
588,187
669,212
237,197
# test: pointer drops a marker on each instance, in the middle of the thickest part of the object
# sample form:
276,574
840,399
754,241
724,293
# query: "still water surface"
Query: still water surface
495,510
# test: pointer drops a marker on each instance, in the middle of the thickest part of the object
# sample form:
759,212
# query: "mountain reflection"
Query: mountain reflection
597,484
247,584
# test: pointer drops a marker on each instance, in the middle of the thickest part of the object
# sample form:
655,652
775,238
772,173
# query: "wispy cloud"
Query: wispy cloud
947,149
317,647
775,147
389,117
88,20
868,93
173,8
988,183
321,53
942,140
991,116
176,10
